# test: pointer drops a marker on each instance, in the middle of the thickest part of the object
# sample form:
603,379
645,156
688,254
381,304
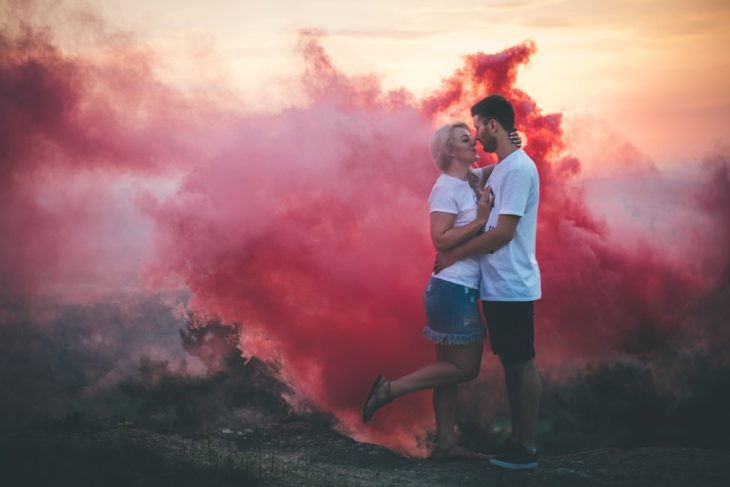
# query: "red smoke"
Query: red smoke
79,138
308,227
310,230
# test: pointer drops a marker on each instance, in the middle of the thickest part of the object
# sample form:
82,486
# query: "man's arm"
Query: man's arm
446,236
490,240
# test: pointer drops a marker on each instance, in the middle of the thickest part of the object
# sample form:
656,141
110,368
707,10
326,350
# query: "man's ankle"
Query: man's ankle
530,445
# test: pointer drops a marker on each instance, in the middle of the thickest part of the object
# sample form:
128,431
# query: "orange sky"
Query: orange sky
654,72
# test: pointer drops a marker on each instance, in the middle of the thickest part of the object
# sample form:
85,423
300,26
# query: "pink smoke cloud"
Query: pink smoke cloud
309,227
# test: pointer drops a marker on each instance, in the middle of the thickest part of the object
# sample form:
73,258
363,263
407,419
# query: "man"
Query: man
510,281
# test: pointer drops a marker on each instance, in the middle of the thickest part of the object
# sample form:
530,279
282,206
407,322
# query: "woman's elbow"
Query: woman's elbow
505,238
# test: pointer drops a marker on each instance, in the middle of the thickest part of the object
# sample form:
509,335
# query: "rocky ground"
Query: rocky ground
299,454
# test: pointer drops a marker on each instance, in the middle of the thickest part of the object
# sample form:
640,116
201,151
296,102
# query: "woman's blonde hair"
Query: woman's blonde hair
441,142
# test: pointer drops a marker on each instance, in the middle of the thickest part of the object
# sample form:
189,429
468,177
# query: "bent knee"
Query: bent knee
469,373
472,373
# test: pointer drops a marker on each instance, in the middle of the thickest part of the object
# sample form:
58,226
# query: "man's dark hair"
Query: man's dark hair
498,108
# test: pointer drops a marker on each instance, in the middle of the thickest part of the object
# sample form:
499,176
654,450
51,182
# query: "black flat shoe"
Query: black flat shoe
370,405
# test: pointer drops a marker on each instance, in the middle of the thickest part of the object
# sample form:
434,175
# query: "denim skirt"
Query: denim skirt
452,315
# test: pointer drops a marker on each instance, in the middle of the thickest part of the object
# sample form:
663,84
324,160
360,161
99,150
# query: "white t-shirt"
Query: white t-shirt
454,196
510,273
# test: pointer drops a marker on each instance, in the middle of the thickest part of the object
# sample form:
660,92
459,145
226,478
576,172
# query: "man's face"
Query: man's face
483,134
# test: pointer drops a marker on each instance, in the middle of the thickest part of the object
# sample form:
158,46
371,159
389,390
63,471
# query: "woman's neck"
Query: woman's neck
458,170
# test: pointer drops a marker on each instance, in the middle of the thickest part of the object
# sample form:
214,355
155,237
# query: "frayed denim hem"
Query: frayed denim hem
452,338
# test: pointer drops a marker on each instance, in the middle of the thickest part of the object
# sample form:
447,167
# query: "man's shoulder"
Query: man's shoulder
522,159
522,163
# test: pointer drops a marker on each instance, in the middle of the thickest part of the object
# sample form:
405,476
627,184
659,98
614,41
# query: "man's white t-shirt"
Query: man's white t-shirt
454,196
511,273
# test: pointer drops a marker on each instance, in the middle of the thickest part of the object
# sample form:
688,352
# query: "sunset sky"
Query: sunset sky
657,72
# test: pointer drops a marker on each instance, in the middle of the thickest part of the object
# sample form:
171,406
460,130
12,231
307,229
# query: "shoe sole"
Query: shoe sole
512,466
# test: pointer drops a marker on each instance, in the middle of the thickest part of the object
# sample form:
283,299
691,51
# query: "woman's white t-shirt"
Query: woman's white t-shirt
454,196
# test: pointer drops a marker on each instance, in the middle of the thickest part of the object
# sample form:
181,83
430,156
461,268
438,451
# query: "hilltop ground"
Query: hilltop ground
299,454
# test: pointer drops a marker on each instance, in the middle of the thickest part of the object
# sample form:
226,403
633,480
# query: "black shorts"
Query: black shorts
511,329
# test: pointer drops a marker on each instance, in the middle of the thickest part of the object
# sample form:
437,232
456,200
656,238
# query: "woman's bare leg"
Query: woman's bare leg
444,407
445,396
460,363
454,364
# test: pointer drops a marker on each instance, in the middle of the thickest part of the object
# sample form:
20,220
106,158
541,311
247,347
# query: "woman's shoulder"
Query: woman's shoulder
445,181
449,187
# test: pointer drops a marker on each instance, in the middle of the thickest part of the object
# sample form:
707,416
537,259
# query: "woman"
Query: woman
459,211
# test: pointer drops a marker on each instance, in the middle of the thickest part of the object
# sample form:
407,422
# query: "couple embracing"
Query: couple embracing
483,225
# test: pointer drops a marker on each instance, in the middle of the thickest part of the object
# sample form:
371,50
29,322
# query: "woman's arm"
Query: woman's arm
445,236
486,172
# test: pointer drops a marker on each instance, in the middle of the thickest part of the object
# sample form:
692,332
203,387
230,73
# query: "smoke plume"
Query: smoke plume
309,225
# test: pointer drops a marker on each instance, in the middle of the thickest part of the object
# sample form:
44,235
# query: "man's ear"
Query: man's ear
492,126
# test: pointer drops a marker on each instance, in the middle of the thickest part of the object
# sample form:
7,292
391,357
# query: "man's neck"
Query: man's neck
503,150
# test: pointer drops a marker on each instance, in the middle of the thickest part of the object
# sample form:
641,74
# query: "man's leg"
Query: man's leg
524,389
511,332
514,400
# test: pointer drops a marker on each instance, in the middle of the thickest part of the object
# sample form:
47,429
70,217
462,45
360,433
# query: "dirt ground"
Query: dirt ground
300,455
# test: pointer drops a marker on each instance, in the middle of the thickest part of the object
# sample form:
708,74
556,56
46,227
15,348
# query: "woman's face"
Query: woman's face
463,146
